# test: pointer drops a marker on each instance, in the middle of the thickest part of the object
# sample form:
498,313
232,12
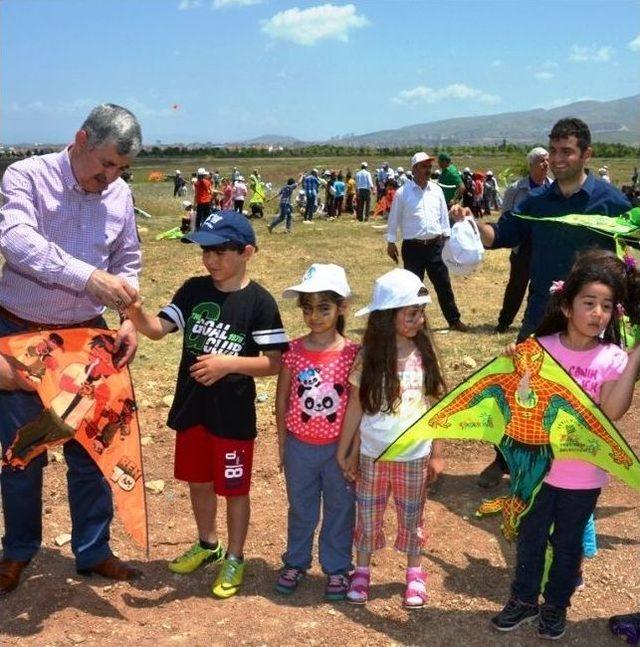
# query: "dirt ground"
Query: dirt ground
468,563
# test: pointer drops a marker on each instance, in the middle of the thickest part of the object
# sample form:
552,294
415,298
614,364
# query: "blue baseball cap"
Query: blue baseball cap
223,227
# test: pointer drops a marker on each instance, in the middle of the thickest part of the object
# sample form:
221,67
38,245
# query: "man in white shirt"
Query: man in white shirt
364,184
420,210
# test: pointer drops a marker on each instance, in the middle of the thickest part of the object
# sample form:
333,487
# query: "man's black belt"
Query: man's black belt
428,241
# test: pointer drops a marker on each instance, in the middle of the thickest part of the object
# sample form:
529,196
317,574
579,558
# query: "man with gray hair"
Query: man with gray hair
520,257
68,237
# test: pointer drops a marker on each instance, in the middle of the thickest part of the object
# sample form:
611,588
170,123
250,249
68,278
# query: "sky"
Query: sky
229,70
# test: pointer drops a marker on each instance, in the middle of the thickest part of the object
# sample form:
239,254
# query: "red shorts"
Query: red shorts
202,457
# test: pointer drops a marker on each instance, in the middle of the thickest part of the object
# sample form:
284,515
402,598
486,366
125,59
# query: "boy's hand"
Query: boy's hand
211,368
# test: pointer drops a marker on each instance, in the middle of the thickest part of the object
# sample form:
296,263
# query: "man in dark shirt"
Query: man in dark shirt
553,246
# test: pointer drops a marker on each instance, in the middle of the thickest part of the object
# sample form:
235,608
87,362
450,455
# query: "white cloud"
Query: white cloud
308,26
635,44
221,4
188,4
590,53
423,94
545,75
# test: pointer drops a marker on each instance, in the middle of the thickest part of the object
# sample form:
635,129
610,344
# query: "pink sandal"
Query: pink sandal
358,592
415,595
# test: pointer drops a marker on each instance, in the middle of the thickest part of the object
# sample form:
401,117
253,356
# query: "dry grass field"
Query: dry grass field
468,562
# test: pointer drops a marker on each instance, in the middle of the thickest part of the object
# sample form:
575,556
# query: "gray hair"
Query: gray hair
535,154
112,124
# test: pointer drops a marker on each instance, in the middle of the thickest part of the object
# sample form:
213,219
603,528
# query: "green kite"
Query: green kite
623,227
533,411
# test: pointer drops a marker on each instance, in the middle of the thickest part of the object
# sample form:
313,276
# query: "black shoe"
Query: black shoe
491,475
459,326
514,614
552,622
500,329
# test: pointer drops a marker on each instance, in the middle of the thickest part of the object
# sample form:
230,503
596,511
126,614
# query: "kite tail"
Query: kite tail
528,465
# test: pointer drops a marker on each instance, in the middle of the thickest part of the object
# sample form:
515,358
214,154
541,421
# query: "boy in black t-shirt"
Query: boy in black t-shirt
232,332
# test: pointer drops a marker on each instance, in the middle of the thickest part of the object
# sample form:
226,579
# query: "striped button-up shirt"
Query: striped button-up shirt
53,235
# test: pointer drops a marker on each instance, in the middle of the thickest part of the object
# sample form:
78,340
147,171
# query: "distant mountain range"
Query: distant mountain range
610,121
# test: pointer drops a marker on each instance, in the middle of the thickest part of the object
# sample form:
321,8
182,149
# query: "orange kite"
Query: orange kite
85,397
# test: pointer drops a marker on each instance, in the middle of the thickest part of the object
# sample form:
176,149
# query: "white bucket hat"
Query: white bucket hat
396,289
321,278
201,171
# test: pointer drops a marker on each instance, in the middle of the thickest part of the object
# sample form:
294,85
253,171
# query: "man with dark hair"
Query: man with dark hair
68,235
572,127
450,180
553,246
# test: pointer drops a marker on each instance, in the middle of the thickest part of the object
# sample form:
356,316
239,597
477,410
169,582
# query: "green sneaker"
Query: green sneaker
196,557
229,579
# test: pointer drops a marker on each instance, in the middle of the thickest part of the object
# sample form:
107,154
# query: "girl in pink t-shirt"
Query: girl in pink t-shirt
580,331
313,388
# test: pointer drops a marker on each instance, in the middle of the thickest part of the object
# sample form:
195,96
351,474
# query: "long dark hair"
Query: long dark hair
380,384
334,297
596,266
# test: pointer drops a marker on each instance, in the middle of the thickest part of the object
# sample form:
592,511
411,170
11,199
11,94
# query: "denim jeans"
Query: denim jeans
89,493
314,480
311,205
284,215
568,512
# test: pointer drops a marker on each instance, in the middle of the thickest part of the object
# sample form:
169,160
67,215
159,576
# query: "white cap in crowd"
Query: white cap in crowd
421,157
178,172
186,204
396,289
321,278
201,171
364,165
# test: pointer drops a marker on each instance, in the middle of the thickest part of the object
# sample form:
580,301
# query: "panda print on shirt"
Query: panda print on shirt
318,399
318,392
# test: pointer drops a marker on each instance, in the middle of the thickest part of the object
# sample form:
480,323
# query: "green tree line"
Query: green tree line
600,149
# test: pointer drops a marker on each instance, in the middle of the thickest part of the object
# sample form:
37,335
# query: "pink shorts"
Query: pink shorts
202,457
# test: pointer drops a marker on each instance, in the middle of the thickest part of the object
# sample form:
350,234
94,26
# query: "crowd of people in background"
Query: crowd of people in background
330,193
333,193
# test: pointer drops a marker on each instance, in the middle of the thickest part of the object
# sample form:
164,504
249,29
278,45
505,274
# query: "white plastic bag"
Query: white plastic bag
463,252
